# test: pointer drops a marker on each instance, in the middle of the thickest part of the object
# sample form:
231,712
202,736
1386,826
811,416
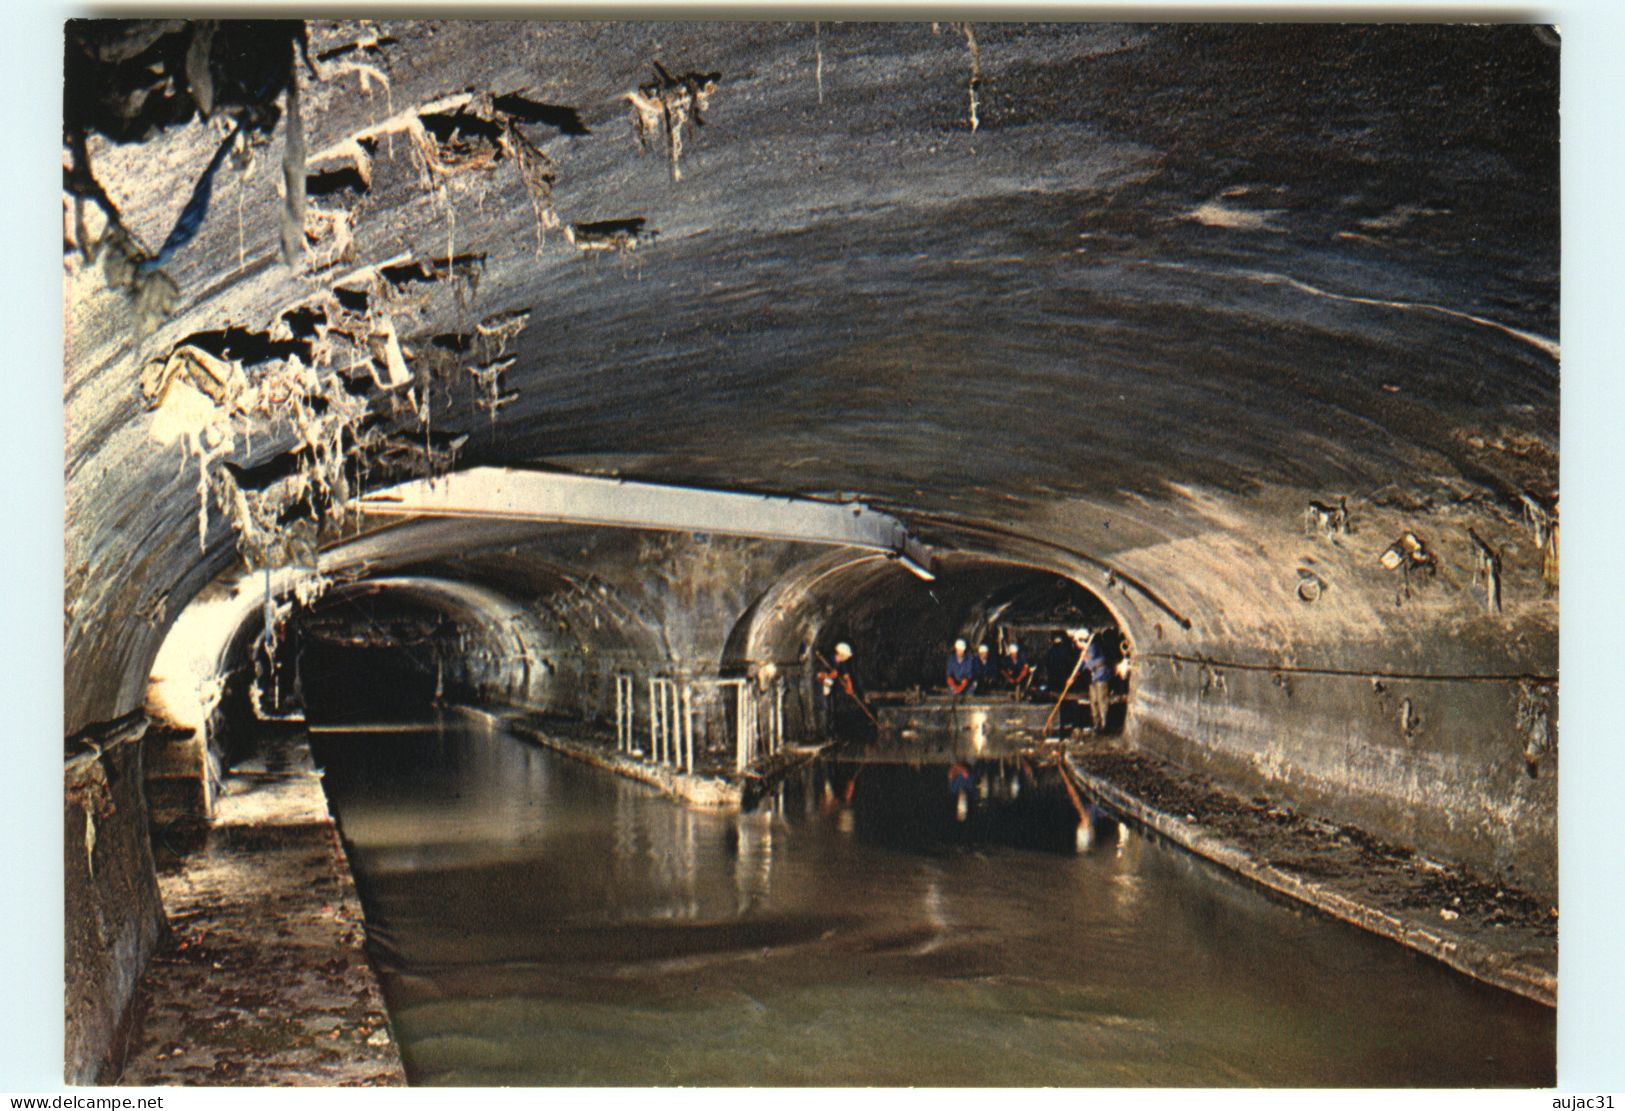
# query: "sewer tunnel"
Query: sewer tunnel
988,338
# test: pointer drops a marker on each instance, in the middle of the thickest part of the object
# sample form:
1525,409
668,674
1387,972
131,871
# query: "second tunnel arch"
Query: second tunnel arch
902,626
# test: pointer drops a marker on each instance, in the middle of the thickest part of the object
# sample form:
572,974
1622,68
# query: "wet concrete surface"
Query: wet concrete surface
263,980
1484,928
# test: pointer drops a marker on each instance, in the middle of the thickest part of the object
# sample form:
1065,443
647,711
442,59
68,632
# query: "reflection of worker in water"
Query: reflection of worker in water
961,669
1097,658
984,671
1014,669
960,781
836,685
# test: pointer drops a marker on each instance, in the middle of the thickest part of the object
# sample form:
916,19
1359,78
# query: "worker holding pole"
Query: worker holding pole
834,683
1097,659
1016,671
1080,643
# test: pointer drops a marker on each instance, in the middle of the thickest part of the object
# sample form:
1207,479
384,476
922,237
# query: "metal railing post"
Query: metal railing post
654,718
688,727
778,714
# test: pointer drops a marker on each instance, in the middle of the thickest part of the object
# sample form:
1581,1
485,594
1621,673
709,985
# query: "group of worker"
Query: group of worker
1082,658
979,672
1069,657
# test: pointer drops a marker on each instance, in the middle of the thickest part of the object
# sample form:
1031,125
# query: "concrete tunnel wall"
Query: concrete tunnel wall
1133,339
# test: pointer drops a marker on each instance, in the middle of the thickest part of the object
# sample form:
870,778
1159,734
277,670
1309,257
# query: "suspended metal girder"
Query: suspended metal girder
498,492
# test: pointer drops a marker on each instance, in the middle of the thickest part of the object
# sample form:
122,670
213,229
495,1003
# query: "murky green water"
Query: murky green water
540,922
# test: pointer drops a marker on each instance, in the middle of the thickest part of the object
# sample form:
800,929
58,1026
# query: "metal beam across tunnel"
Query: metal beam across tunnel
521,495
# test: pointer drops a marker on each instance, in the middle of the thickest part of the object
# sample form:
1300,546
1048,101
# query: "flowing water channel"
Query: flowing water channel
536,921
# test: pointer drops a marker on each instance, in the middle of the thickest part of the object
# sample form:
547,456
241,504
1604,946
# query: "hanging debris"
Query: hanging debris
1544,523
1487,568
610,235
329,238
1535,723
492,338
669,106
128,79
1328,520
975,74
1409,720
216,392
364,55
1410,556
974,89
818,52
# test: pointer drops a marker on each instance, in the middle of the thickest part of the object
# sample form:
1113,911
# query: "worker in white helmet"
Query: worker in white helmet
961,670
834,684
984,670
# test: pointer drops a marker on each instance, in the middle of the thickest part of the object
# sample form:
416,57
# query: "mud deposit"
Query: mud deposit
536,920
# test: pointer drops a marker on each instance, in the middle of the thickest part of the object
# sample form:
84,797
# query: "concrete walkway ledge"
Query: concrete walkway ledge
1497,938
264,980
707,791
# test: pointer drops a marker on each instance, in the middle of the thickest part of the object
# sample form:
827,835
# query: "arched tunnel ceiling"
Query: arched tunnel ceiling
1176,278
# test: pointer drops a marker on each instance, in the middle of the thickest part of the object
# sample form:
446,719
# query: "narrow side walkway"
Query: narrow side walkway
263,981
1488,931
708,788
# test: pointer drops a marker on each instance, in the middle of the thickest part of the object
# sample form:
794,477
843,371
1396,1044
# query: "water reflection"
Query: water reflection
538,922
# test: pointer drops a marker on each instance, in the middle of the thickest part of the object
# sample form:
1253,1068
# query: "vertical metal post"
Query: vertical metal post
625,711
665,721
688,727
741,749
740,740
778,714
654,719
659,752
752,708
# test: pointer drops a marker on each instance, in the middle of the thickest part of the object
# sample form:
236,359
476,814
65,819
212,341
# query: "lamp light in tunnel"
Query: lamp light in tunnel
913,566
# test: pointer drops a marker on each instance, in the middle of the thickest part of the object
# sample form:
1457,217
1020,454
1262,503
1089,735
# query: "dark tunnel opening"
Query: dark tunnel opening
378,657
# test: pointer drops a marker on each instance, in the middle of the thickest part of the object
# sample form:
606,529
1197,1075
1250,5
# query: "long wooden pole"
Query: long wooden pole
1069,680
850,694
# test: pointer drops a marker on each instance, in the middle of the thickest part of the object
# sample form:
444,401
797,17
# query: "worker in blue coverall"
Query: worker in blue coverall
1097,659
984,671
961,669
1014,667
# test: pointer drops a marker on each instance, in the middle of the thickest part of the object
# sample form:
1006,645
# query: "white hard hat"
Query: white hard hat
843,650
960,644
